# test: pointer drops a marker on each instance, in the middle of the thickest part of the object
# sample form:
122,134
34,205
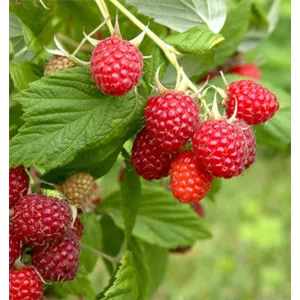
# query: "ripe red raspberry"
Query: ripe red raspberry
171,119
116,66
248,70
189,182
78,228
39,219
256,104
220,147
15,247
58,63
25,284
58,261
199,209
78,188
149,160
18,184
250,143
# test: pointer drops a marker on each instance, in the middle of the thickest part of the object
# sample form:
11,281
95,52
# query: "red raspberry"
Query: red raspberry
116,66
171,119
250,143
199,209
78,228
248,70
220,147
256,104
25,284
39,219
18,184
189,181
149,160
15,247
58,261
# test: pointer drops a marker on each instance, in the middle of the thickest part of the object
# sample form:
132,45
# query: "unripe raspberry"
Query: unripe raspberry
78,228
255,104
25,284
247,70
58,63
18,184
149,160
15,248
189,182
116,66
58,261
78,188
220,147
171,119
39,219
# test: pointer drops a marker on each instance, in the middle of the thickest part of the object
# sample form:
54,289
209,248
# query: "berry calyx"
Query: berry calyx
39,219
149,160
255,104
116,66
25,284
171,119
18,184
58,63
78,188
189,182
219,147
15,247
59,260
199,209
247,70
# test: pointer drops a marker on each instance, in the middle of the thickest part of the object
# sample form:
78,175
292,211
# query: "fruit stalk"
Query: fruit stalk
105,13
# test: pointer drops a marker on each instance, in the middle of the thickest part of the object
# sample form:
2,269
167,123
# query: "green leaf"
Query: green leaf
131,197
214,189
182,15
81,286
22,73
92,237
161,219
157,260
16,32
197,40
11,50
15,121
66,114
30,40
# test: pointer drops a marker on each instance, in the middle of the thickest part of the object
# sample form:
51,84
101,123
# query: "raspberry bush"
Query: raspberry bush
117,134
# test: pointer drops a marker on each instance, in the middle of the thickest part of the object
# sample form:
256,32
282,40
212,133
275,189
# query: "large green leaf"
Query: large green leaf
161,219
183,15
197,40
66,114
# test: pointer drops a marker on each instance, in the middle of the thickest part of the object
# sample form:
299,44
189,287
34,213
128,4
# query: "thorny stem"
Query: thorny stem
169,51
105,13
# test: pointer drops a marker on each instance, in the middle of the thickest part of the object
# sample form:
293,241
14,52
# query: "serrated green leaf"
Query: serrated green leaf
66,114
15,121
197,40
31,41
22,73
161,219
182,15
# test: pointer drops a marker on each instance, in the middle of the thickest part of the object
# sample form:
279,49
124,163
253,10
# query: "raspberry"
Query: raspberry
15,247
256,104
116,66
189,181
171,119
39,219
78,188
220,147
58,63
25,284
248,70
18,184
250,143
198,208
149,160
78,228
58,261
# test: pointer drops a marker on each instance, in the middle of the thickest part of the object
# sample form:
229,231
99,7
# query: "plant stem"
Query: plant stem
100,253
105,13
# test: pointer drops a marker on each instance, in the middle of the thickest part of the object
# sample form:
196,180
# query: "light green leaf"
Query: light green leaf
197,40
161,219
66,114
182,15
214,189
